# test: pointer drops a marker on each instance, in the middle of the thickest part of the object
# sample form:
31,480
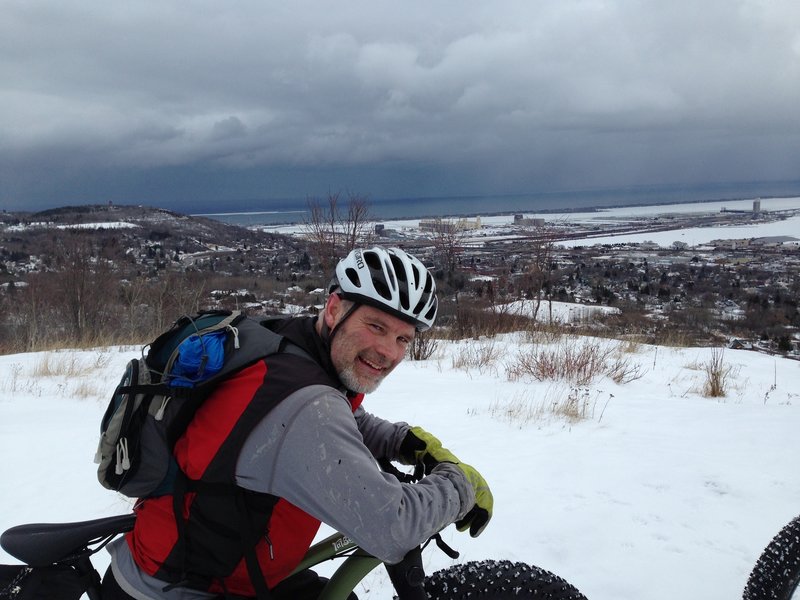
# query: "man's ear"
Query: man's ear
333,308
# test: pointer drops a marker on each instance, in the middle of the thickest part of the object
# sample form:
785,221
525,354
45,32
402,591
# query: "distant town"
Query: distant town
78,269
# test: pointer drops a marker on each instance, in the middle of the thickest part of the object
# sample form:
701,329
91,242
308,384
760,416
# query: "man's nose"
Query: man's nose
392,350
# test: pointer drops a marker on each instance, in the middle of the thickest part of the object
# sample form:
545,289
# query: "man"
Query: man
311,457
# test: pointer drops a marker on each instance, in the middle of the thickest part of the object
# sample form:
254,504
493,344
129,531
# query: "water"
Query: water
277,212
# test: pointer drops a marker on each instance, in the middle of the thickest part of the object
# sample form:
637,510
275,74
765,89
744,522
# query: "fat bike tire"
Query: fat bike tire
498,580
776,574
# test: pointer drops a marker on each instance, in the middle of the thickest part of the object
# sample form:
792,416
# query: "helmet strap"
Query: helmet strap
346,316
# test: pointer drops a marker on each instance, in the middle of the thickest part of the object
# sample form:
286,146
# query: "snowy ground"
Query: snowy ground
660,493
556,312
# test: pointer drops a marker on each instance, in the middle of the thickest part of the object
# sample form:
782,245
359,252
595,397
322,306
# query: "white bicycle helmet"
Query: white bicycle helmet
390,280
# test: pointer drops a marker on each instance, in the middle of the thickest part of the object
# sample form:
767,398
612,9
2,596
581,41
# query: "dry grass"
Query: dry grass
68,364
520,410
12,383
622,370
86,388
577,406
630,346
677,339
545,333
717,374
559,403
477,355
75,374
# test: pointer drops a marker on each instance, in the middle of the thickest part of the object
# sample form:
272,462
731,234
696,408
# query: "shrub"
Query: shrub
474,319
576,362
717,374
476,355
570,361
423,346
622,371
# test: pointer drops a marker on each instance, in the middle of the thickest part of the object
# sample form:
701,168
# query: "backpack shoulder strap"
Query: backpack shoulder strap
254,342
270,323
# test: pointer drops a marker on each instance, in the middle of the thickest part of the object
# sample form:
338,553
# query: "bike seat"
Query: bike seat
42,544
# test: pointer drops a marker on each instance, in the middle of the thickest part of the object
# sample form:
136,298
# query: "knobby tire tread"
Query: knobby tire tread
498,580
777,572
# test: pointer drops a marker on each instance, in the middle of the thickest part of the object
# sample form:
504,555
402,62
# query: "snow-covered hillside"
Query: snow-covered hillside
658,493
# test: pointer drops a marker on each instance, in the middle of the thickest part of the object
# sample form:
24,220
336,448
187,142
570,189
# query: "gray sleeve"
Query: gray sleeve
382,437
309,451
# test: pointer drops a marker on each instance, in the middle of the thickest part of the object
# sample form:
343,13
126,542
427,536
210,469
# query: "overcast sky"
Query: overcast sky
185,103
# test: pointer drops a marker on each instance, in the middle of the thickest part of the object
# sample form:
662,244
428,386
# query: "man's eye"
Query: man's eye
376,327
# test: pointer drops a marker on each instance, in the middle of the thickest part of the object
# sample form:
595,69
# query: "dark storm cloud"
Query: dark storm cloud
413,98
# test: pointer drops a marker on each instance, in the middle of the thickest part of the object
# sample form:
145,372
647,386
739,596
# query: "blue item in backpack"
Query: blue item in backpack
199,358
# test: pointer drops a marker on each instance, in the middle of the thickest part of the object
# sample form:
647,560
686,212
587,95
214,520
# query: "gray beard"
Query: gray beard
348,377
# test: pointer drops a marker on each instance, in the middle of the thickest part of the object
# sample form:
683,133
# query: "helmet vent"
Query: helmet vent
382,289
404,298
373,261
352,275
428,283
432,312
398,268
417,276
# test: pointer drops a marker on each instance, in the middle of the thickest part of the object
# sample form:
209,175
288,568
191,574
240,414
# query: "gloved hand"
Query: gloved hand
479,515
422,448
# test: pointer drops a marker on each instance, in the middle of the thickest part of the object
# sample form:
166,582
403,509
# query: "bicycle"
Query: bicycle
68,548
776,574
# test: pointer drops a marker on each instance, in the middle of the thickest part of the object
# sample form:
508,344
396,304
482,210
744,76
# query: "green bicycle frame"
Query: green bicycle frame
346,577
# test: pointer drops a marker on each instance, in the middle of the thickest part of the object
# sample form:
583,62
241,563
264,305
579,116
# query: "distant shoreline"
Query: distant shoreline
490,213
670,203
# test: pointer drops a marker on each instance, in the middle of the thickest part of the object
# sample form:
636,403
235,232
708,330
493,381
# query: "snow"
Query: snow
696,236
556,312
659,493
101,225
93,225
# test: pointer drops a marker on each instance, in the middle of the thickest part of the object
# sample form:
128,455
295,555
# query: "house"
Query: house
737,344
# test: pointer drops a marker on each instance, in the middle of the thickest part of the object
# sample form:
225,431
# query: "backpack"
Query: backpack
159,394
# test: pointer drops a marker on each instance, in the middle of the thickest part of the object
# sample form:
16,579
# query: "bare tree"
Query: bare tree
321,230
188,293
83,281
26,317
172,296
356,223
539,276
132,294
334,231
448,239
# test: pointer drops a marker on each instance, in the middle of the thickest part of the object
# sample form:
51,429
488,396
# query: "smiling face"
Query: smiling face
367,346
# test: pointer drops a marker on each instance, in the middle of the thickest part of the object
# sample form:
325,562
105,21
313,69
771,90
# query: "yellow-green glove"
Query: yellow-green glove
479,515
422,448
